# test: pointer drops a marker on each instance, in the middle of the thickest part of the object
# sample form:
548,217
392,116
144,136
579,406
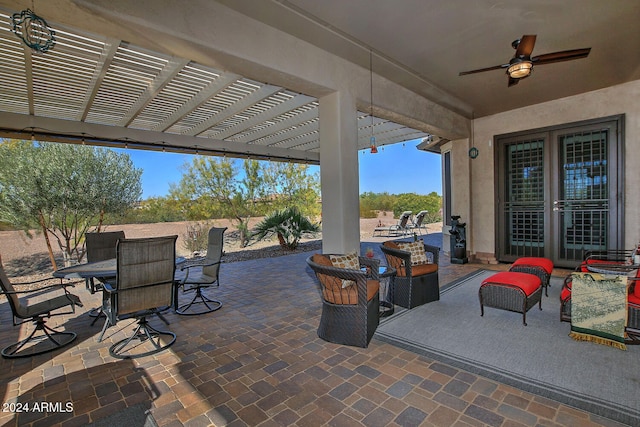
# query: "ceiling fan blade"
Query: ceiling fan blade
565,55
525,47
480,70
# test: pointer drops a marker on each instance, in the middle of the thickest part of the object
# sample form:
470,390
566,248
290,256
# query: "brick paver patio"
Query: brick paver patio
258,362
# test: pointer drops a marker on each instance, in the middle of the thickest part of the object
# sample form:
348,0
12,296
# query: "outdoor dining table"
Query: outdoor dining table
105,269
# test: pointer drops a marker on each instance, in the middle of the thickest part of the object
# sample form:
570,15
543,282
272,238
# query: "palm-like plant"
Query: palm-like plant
288,224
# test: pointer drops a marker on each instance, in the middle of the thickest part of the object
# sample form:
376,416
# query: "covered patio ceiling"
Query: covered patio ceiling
104,91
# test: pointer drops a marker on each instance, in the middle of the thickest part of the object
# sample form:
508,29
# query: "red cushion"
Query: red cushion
565,294
529,283
544,263
634,299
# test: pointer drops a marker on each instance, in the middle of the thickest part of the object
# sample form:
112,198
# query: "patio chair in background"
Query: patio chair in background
416,265
144,287
50,339
200,274
416,224
100,246
350,297
399,229
600,257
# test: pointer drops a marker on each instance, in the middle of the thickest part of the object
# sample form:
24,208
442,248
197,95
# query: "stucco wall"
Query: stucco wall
621,99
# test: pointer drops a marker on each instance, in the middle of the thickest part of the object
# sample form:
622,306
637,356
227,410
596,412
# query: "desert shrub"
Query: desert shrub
196,239
288,224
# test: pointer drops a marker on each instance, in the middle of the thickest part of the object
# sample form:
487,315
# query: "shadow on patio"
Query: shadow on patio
258,361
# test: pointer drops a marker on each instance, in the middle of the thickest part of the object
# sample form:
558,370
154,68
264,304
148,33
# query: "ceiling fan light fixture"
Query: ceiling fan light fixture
520,69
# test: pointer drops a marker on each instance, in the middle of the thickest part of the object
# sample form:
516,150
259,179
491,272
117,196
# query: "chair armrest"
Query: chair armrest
110,288
46,288
404,256
373,266
434,250
200,262
612,255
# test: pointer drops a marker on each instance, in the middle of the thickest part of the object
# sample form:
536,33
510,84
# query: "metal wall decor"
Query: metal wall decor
473,152
33,30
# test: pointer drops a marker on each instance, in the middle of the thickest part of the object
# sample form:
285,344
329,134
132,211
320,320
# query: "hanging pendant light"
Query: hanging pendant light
33,30
372,140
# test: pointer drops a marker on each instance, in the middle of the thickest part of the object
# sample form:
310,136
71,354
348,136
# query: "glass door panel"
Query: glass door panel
560,192
581,208
523,207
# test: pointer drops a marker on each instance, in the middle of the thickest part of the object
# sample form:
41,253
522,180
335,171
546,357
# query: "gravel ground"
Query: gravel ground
26,258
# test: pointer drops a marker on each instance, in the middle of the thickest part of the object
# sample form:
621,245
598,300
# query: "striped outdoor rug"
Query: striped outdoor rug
539,358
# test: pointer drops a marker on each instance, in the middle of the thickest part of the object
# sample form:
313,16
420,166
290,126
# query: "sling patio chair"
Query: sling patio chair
399,229
144,288
201,274
417,223
24,311
100,246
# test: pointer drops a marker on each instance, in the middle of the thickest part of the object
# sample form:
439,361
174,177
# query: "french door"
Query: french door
559,192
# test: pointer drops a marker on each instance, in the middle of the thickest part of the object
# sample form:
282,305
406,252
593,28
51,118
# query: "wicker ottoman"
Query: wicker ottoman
541,267
512,291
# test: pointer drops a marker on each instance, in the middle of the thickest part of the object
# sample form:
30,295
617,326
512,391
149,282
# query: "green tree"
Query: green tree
64,190
370,203
291,184
212,179
416,203
153,209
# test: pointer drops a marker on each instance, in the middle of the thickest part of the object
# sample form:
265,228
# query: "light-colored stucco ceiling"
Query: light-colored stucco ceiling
418,46
428,42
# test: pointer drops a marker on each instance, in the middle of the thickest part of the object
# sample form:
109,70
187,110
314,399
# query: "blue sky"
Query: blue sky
395,169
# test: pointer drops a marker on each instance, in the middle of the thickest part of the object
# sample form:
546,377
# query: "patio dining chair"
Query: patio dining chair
144,288
201,274
100,246
26,311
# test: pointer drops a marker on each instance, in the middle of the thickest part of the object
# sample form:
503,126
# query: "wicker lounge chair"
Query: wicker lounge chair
399,229
50,339
633,318
145,279
614,256
415,284
350,312
201,274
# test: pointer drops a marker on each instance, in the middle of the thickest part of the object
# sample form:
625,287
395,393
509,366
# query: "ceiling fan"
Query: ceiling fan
521,65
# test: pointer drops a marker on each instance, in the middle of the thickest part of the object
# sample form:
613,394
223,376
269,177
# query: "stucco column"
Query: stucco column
339,173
